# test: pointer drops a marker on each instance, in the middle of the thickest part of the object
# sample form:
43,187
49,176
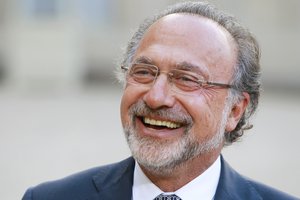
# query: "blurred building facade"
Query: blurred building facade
58,45
51,44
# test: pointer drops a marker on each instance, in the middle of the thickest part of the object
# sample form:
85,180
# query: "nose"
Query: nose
160,94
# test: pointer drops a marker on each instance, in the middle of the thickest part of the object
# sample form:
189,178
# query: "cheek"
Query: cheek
124,110
130,96
205,116
198,107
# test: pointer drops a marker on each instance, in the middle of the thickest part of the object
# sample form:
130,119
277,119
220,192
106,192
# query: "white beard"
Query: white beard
163,156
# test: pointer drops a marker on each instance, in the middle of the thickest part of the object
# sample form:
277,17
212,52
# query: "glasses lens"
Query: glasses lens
142,73
185,81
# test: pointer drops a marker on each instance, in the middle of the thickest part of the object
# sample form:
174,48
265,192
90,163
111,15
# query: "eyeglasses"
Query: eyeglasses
182,81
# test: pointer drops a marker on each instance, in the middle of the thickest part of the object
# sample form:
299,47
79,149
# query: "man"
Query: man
191,78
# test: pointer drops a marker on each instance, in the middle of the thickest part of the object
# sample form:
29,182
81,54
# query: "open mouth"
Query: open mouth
159,124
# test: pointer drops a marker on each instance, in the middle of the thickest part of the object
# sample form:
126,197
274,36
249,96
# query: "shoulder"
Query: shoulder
233,185
76,186
65,188
268,192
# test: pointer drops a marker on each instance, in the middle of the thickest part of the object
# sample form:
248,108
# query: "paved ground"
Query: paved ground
48,136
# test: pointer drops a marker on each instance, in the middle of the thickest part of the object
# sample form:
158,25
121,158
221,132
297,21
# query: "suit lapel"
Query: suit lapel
115,181
232,186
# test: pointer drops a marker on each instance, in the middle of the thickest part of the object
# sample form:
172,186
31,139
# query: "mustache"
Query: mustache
174,114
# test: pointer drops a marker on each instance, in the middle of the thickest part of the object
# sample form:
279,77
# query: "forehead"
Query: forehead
188,38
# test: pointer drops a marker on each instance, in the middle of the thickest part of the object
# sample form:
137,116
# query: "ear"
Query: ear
237,112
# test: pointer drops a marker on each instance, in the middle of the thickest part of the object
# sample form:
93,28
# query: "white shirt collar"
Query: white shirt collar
202,187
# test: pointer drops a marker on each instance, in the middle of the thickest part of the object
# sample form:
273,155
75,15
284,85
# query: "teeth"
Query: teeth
161,123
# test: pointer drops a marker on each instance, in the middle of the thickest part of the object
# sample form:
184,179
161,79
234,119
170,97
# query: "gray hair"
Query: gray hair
246,76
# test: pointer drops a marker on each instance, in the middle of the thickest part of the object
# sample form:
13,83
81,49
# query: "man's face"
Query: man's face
161,124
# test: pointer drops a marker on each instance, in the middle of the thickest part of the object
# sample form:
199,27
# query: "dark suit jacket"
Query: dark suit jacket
114,182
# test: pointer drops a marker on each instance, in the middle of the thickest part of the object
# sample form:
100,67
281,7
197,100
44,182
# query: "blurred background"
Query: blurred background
59,101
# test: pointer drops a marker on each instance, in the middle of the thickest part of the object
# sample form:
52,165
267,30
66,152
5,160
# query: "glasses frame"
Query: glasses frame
201,83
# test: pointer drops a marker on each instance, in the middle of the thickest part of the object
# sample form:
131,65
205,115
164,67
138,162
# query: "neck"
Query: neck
183,173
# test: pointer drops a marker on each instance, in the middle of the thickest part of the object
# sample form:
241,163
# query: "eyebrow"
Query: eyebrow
143,59
187,66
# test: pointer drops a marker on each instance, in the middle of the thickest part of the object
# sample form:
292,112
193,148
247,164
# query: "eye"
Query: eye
186,80
138,70
184,77
143,73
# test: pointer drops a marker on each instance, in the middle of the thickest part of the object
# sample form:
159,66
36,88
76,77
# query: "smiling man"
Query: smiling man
191,83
